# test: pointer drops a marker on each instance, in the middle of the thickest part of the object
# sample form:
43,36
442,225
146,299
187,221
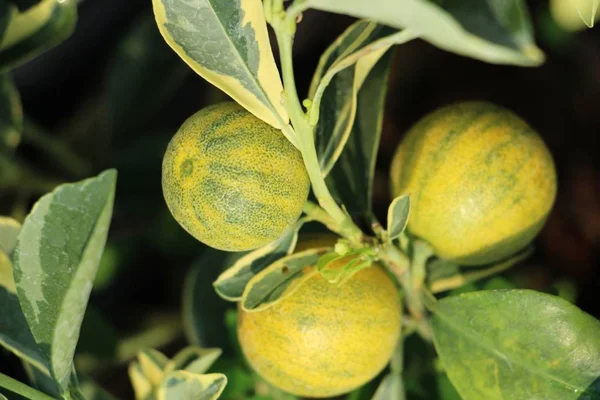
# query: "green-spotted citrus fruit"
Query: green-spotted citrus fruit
232,181
481,181
324,339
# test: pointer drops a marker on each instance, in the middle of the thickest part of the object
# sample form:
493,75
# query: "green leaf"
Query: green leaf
351,179
397,217
230,285
143,75
423,377
40,380
334,89
9,230
391,388
36,30
56,257
11,114
181,385
226,42
14,332
280,279
496,31
193,359
518,345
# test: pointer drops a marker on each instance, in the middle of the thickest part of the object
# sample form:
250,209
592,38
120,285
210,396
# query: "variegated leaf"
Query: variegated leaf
281,279
193,359
351,179
231,284
56,258
226,42
186,385
337,269
36,30
153,364
501,33
14,332
397,217
141,384
340,74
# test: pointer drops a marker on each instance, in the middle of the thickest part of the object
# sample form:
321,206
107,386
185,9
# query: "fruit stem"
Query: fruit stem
285,27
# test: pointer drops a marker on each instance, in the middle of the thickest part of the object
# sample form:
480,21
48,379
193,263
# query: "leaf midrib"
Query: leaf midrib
238,56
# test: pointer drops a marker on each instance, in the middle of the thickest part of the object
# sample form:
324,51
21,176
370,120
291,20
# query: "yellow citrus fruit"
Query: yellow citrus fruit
232,181
482,182
324,339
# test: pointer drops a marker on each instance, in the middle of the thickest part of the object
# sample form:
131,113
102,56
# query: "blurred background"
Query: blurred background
113,94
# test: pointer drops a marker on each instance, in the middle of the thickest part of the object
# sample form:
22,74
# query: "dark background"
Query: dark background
113,94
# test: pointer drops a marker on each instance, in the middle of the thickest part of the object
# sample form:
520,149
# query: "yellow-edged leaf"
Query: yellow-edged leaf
501,33
226,42
141,385
281,279
230,285
341,72
180,385
35,30
153,364
193,359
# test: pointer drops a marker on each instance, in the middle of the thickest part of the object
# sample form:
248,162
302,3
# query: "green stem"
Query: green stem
316,213
396,261
285,29
22,389
400,265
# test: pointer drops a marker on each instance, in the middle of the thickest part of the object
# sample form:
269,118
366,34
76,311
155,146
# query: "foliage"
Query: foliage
474,340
